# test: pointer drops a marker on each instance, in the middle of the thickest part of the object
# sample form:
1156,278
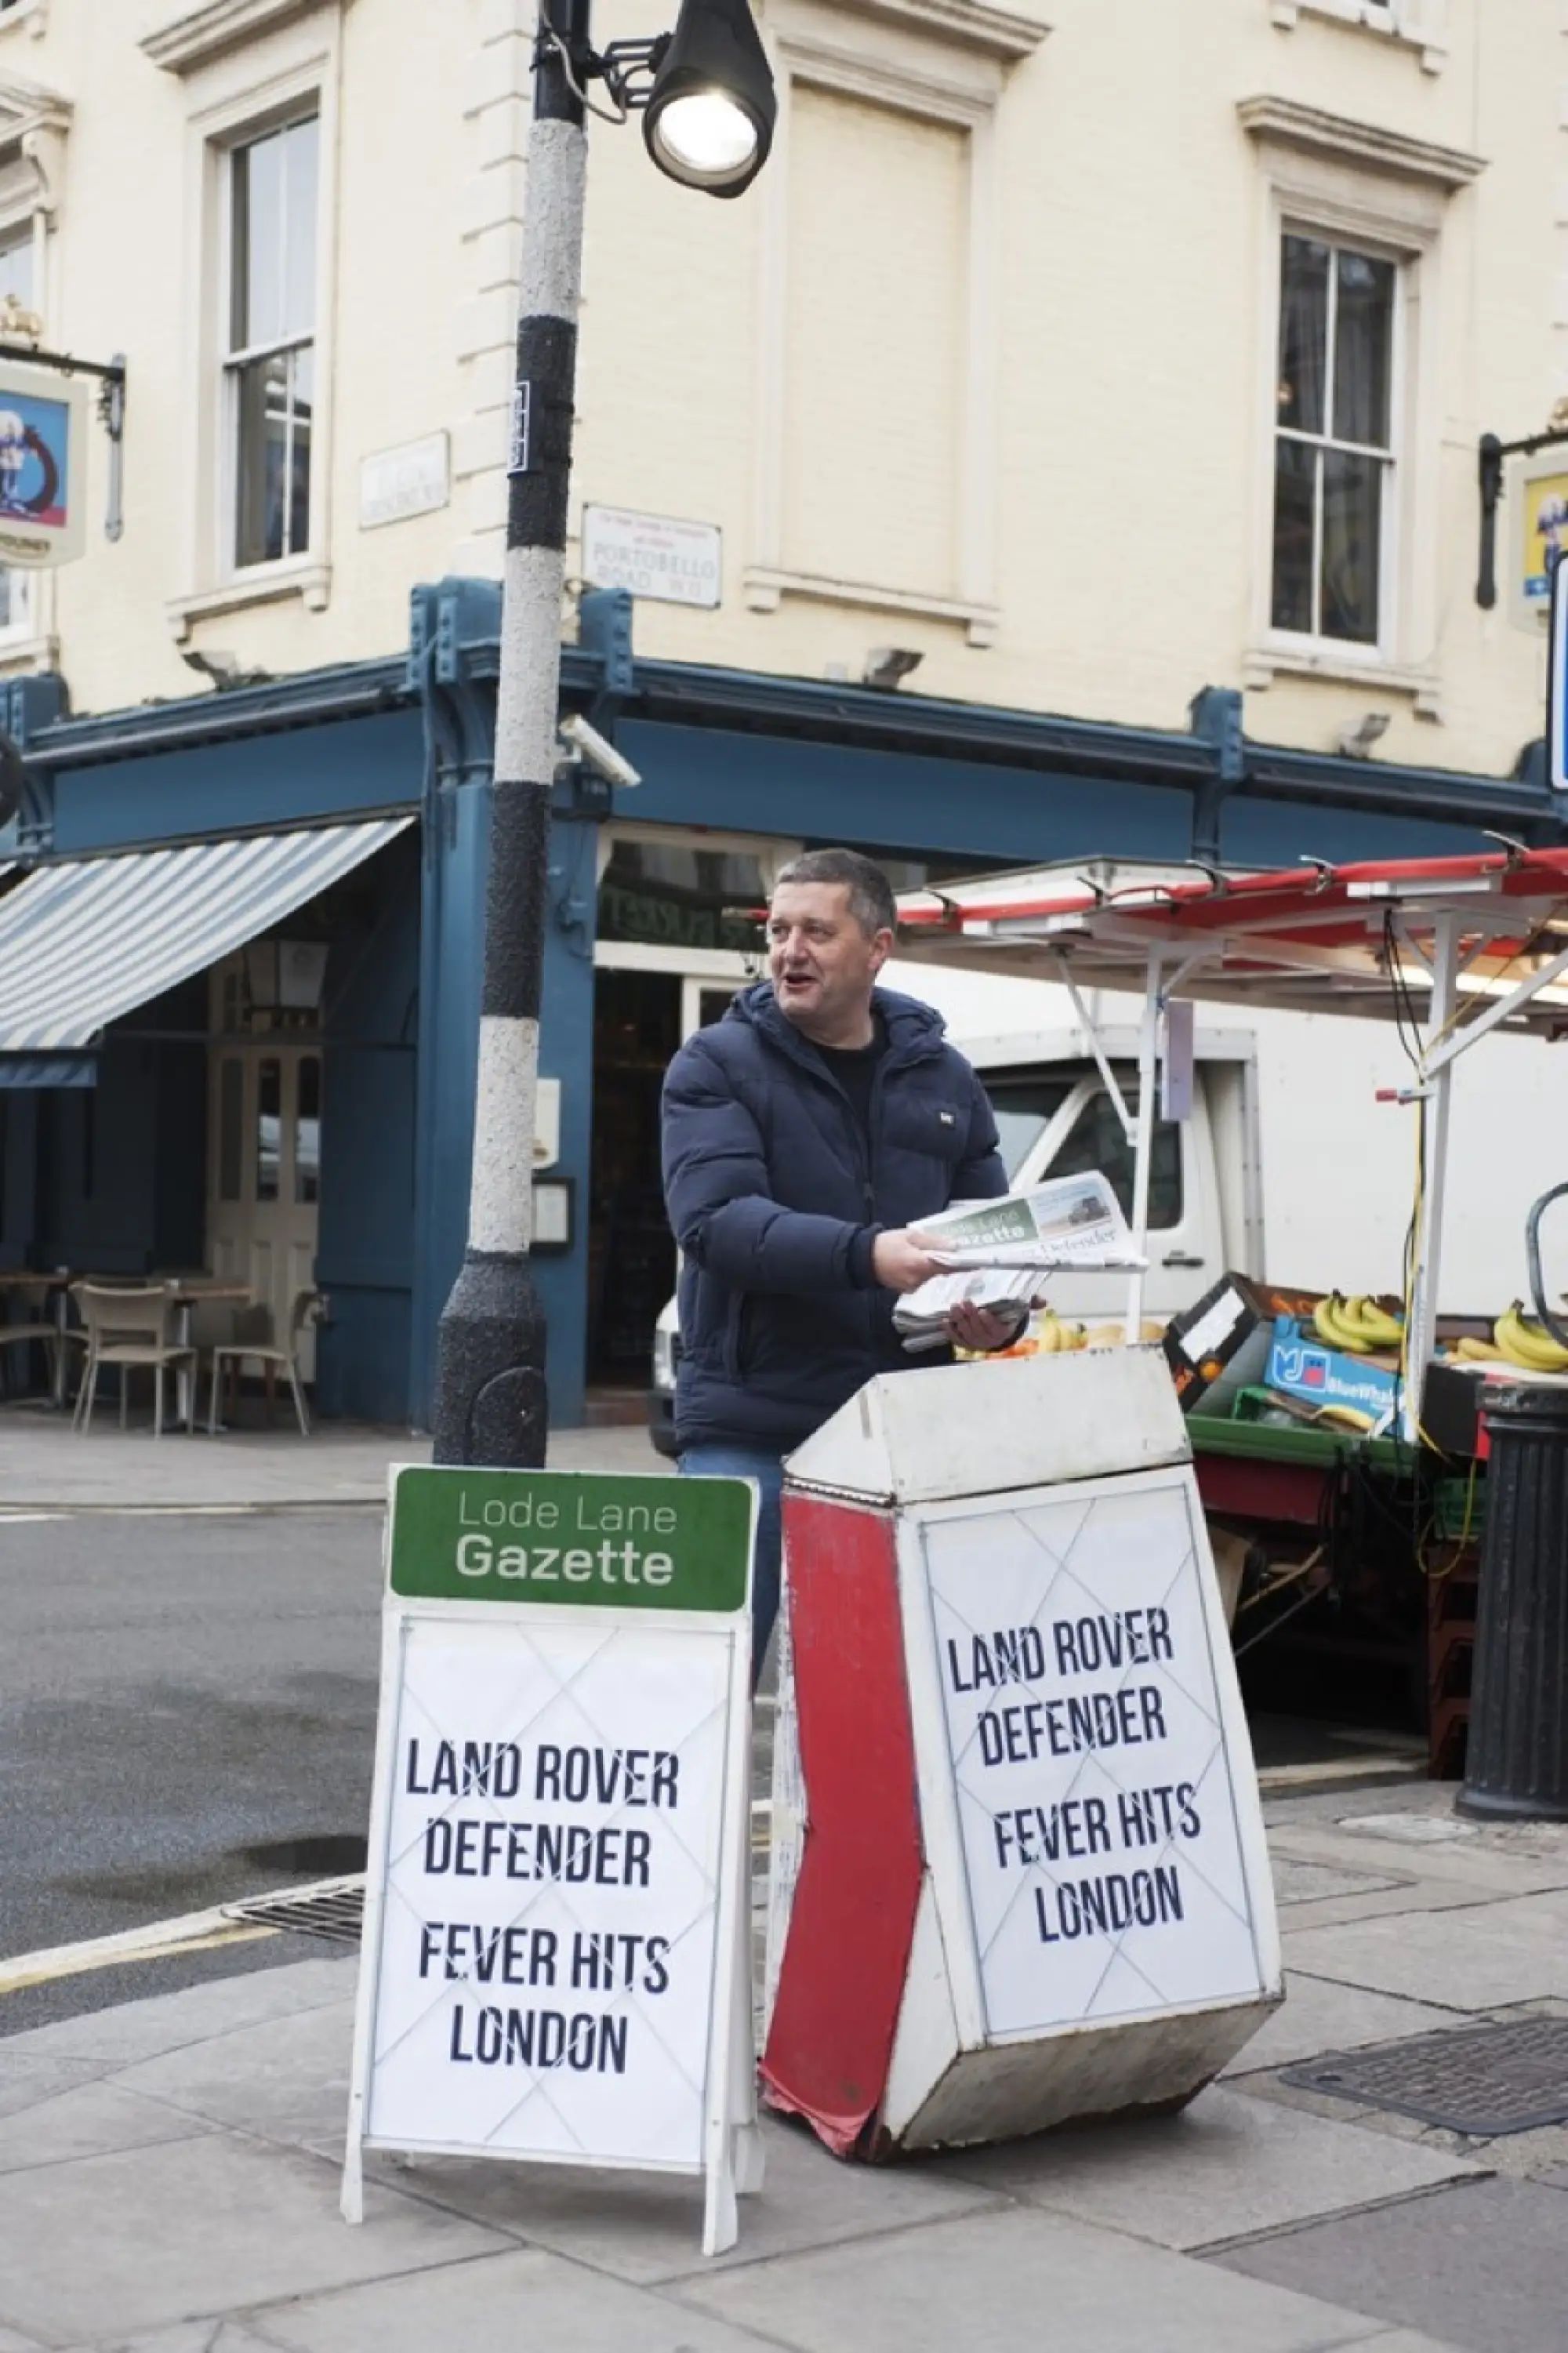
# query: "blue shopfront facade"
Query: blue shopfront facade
115,1174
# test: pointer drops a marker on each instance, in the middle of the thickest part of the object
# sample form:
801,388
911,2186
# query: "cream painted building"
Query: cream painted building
988,366
1095,353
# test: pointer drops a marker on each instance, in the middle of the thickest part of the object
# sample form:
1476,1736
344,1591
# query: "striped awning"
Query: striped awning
83,944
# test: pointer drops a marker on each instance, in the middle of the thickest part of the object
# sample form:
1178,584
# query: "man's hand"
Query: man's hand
903,1260
979,1329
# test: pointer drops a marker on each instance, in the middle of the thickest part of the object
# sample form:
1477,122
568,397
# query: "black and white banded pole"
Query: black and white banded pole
707,99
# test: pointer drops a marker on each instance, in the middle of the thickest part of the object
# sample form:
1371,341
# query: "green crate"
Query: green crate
1459,1512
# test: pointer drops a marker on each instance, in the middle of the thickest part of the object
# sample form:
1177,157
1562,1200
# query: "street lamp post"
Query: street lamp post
706,95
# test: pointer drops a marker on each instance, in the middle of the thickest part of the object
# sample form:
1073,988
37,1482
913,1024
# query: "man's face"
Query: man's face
824,965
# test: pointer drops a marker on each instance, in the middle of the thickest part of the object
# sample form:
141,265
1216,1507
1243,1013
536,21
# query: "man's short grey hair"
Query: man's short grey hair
871,901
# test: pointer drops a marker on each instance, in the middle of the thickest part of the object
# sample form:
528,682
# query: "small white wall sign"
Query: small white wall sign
394,484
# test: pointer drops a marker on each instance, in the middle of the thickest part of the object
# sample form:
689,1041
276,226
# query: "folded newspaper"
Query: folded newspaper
999,1252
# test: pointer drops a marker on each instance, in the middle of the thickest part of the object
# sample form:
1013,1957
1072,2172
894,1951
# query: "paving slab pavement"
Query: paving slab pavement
1481,1958
1487,2265
45,1467
169,2181
1226,2167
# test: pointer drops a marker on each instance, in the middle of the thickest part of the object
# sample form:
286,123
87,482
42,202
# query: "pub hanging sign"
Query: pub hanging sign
43,466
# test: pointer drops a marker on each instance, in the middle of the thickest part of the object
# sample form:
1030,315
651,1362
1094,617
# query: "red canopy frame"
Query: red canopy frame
1451,948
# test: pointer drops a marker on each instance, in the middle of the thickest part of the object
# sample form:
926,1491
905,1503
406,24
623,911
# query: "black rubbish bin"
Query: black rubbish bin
1516,1763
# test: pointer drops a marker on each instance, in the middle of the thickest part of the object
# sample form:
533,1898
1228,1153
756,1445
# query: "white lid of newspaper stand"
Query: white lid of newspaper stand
556,1963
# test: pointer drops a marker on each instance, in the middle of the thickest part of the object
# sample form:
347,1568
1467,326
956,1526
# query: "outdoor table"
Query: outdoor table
189,1292
1019,1875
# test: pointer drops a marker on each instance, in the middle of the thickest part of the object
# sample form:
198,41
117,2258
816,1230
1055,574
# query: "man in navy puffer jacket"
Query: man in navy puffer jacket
806,1135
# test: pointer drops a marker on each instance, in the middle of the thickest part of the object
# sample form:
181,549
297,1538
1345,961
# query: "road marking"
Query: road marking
1279,1780
254,1511
196,1932
14,1519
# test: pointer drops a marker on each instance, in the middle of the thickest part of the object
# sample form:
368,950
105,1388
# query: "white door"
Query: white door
263,1173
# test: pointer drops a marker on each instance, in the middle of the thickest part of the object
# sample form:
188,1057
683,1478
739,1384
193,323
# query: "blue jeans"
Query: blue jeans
750,1462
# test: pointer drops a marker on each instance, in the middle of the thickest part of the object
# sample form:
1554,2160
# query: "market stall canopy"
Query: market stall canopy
1318,938
1448,948
83,944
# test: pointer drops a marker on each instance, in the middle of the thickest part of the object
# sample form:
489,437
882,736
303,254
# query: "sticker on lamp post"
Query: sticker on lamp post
556,1961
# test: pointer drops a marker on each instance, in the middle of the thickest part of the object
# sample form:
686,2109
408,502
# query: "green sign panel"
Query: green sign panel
571,1537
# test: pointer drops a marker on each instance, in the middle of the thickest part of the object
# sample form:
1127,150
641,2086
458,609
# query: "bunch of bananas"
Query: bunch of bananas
1114,1335
1054,1338
1519,1342
1357,1327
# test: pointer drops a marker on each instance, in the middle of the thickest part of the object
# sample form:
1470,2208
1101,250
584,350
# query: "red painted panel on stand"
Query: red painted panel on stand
853,1920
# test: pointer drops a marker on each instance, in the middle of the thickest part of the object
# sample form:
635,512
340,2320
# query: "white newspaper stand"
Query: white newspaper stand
1020,1873
556,1961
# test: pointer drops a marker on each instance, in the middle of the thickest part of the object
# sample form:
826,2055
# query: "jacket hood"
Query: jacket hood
912,1027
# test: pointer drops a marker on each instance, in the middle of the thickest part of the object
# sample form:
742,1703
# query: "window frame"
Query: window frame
232,361
1360,185
1381,649
233,98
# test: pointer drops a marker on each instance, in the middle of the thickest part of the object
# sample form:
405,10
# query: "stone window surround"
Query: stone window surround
34,123
34,13
247,65
1360,183
1420,25
943,61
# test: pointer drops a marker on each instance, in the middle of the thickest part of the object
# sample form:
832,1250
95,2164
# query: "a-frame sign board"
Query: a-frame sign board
556,1962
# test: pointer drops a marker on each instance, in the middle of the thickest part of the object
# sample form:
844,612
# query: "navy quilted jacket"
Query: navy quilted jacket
775,1209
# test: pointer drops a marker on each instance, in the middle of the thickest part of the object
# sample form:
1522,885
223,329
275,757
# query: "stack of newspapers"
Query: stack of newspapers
998,1254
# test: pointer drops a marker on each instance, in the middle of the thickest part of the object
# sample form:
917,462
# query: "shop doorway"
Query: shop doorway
678,936
263,1157
640,1017
631,1255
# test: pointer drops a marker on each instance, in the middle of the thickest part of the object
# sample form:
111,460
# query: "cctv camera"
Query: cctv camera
598,751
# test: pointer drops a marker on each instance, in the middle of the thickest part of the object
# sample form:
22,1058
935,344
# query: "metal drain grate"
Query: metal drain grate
1480,2080
333,1909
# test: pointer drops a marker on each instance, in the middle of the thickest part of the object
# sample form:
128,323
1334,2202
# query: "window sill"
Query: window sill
765,590
198,35
1261,664
24,651
265,584
1002,32
1425,38
34,13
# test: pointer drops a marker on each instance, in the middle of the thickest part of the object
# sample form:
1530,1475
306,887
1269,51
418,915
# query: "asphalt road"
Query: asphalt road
187,1716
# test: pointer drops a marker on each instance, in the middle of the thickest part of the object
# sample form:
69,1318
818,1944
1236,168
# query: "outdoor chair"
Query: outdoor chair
129,1328
254,1342
35,1325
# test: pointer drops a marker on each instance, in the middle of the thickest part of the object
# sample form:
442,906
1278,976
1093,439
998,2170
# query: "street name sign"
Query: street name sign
655,556
556,1960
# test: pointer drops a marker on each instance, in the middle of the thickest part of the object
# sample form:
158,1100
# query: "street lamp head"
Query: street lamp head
709,117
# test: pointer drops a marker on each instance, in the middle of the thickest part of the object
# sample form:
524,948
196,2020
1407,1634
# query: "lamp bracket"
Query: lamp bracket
627,68
1491,455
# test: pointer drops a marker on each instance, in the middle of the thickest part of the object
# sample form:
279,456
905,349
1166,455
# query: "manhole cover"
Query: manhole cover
1480,2080
334,1910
